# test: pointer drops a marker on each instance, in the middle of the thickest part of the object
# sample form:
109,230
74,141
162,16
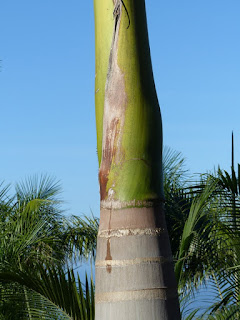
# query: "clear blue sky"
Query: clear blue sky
47,88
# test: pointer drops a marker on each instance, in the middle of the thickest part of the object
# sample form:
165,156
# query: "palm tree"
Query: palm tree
134,267
209,250
203,222
38,247
51,293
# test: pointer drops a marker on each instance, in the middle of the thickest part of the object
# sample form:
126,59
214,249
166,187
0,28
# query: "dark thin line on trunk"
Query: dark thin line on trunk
116,12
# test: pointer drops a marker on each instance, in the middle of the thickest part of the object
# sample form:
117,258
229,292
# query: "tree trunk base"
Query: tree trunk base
134,268
140,310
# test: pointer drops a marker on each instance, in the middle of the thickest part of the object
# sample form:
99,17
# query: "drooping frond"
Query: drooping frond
51,294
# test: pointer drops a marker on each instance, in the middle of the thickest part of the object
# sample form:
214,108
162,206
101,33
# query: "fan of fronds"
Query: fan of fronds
209,251
36,244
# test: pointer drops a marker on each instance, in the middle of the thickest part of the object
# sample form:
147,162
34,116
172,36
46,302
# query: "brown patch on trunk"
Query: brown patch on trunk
114,114
109,152
130,218
108,256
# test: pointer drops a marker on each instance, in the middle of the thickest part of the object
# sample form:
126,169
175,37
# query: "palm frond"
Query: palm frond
189,244
80,235
33,187
54,291
174,171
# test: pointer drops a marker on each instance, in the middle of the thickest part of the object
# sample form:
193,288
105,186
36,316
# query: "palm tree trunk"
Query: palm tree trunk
134,271
134,267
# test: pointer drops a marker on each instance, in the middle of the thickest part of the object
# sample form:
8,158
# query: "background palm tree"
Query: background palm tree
38,247
203,222
209,249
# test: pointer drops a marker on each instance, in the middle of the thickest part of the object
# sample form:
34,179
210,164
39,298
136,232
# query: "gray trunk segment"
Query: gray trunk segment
134,268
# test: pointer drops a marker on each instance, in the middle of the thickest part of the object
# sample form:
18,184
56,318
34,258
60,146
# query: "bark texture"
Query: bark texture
134,267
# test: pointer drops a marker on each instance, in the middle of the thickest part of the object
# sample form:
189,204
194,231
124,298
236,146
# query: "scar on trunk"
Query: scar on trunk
108,256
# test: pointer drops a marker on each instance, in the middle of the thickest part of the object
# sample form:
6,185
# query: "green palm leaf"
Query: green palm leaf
53,291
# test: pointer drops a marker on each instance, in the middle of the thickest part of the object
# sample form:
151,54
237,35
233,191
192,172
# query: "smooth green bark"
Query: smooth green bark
130,164
104,25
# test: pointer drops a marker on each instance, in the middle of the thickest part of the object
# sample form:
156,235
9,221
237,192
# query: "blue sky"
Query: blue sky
47,88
